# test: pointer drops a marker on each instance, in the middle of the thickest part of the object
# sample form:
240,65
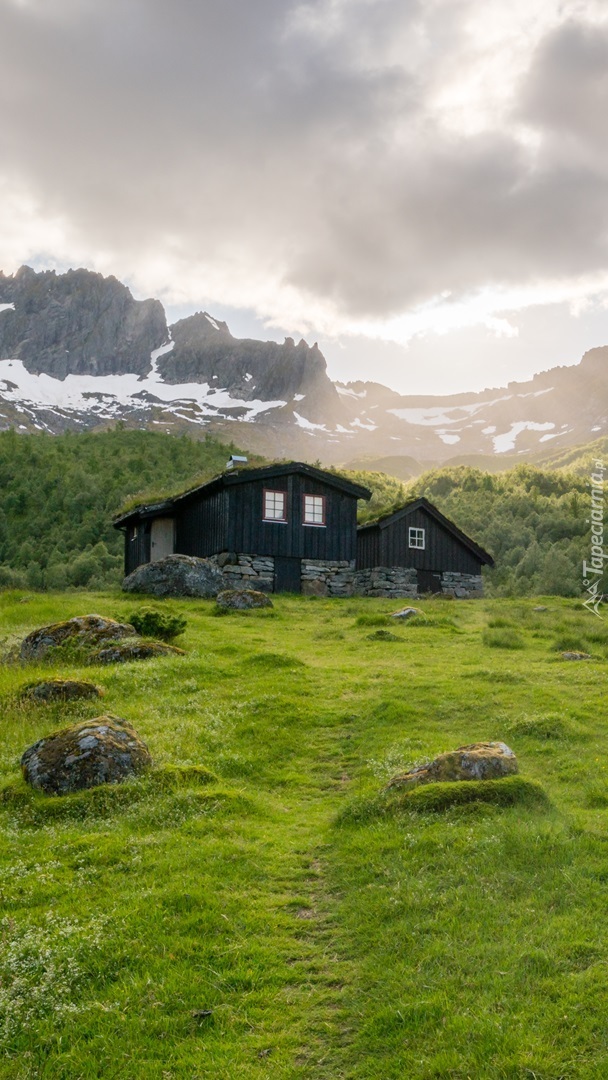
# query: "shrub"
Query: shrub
157,624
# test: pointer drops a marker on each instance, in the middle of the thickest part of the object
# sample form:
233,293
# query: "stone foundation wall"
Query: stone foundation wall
246,571
394,581
461,585
321,577
401,583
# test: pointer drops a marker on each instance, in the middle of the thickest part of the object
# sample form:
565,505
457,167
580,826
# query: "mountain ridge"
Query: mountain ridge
78,352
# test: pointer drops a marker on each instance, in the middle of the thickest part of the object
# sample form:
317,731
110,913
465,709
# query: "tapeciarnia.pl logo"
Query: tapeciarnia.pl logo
593,571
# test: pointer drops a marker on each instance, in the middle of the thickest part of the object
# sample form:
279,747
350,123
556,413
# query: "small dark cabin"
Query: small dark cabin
418,537
262,522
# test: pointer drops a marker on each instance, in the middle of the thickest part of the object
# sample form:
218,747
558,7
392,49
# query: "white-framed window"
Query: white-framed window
314,510
275,505
416,537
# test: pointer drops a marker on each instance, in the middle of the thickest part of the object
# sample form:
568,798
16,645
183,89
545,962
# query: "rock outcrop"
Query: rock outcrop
78,323
49,690
479,761
83,631
406,613
177,575
105,750
205,351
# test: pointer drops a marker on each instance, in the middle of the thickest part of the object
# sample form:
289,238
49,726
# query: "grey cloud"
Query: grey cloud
238,126
566,93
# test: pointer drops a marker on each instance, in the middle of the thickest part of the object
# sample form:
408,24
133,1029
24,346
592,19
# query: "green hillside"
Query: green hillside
534,523
60,493
285,916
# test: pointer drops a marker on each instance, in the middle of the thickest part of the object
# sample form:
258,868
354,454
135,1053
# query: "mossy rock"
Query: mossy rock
242,600
125,652
49,690
83,631
176,575
478,761
104,750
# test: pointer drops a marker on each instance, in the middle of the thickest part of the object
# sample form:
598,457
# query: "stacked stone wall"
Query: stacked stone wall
393,581
323,577
246,571
461,585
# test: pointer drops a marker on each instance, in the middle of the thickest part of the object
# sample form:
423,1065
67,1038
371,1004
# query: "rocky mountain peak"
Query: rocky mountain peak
77,323
205,351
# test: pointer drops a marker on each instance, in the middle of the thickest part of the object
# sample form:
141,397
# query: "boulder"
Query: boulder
406,613
84,631
242,599
177,575
121,653
479,761
576,655
105,750
59,690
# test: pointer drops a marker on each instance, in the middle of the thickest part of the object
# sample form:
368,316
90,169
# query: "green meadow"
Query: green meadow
259,905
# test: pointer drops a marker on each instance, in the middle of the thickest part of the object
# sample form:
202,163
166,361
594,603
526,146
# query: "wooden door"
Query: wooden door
428,581
287,575
162,538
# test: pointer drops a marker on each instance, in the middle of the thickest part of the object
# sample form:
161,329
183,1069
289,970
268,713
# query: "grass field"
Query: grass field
285,917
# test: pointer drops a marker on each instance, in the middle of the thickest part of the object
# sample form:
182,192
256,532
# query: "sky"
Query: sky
421,186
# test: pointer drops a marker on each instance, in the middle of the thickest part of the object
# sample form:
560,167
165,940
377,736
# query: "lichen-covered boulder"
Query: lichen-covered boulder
105,750
406,613
84,630
576,656
177,575
50,690
479,761
242,599
123,652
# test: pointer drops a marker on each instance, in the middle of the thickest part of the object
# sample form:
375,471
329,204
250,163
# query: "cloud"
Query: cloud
326,164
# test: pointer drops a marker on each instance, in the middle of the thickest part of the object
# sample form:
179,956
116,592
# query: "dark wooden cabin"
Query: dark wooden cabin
288,513
419,537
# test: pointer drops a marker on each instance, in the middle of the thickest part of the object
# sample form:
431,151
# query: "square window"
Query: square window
314,510
416,538
275,505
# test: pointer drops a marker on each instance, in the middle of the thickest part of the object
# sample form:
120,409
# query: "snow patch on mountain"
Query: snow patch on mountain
431,415
346,391
107,395
506,441
308,425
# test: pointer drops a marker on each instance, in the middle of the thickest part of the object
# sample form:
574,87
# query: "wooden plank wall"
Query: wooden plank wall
202,526
389,547
248,532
